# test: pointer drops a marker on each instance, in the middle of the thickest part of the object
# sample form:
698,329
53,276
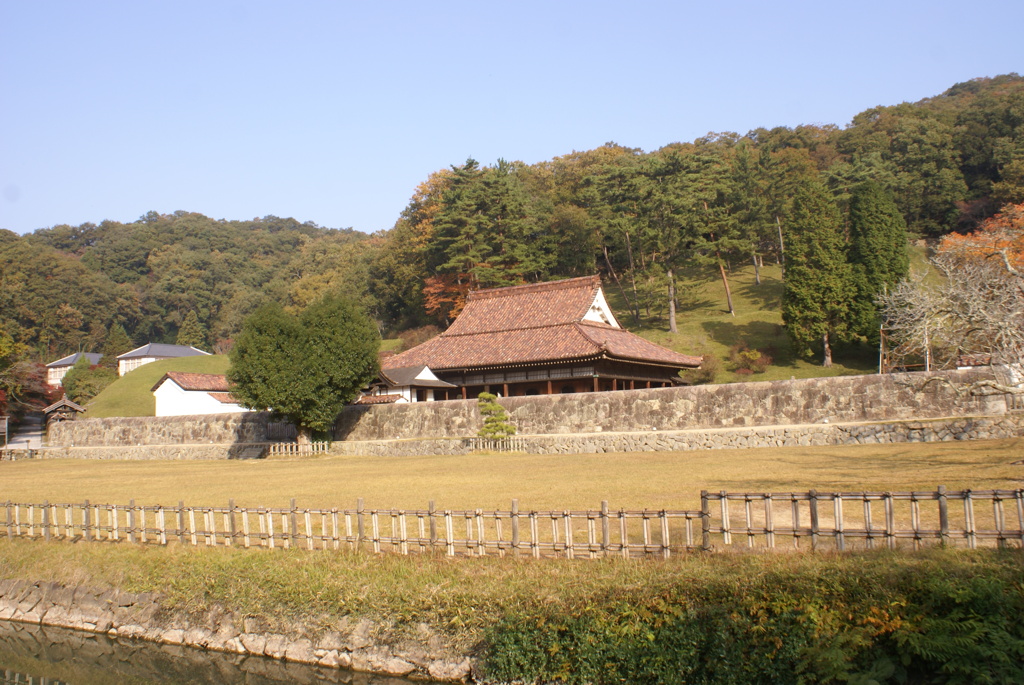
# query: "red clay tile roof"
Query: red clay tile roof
531,324
526,306
224,397
378,399
209,382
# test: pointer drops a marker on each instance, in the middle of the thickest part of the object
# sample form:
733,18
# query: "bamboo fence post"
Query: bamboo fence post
375,523
335,533
192,526
890,520
361,525
813,505
534,543
293,527
449,534
245,528
769,522
432,522
943,516
161,523
915,520
142,524
748,519
403,533
837,508
724,505
46,520
181,521
645,526
269,514
10,528
868,527
69,520
515,527
591,536
605,533
232,526
623,534
481,535
794,507
115,523
997,516
570,551
86,524
309,529
705,521
131,520
17,519
1019,499
969,519
666,550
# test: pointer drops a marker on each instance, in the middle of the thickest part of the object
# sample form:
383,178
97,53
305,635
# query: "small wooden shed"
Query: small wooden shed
62,410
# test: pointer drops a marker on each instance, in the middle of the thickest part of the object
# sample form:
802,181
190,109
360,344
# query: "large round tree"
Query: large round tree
305,368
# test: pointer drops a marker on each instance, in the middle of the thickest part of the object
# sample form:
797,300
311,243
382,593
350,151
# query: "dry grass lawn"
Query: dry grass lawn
634,480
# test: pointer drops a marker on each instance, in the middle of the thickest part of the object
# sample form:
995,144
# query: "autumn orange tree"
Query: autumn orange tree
1000,237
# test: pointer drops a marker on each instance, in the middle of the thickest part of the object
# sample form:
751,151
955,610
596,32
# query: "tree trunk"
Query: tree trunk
671,302
782,249
725,280
828,352
615,277
632,279
757,271
303,435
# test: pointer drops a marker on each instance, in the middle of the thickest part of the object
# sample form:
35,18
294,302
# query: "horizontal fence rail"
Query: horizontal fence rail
806,520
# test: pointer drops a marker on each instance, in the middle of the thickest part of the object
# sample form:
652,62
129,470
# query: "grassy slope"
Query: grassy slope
131,395
706,327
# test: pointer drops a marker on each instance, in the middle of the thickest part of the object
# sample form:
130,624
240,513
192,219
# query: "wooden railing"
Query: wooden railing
294,449
510,444
807,520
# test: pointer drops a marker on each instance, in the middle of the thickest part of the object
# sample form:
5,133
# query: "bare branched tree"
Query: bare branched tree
973,314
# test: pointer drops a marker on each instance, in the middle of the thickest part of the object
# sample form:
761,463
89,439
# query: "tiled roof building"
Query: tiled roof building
542,338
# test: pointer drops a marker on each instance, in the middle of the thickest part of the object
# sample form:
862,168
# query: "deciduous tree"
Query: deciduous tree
305,368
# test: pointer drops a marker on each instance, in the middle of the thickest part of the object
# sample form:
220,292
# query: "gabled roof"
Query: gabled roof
161,350
93,357
63,402
526,324
409,376
206,382
224,397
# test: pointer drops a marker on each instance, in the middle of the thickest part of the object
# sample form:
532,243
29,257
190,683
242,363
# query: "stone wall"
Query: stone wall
352,644
933,430
843,399
163,430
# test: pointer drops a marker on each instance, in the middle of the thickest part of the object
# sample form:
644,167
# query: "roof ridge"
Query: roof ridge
510,330
513,290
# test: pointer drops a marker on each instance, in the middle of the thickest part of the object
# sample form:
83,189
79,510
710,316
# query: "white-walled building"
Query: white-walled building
409,384
152,352
186,394
55,371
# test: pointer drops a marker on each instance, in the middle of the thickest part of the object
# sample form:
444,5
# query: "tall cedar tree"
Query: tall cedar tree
878,253
117,343
191,332
818,289
305,368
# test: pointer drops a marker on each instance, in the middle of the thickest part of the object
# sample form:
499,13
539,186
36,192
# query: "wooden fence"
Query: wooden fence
293,449
810,520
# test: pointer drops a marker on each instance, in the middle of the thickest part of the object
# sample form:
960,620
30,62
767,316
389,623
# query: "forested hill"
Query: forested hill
636,217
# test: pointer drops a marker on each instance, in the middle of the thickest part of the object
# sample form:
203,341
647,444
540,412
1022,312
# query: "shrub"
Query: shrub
745,360
417,336
709,368
496,423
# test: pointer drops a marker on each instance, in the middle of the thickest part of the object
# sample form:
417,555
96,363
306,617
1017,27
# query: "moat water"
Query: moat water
39,655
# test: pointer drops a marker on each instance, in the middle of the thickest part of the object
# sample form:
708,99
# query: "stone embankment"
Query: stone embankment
358,645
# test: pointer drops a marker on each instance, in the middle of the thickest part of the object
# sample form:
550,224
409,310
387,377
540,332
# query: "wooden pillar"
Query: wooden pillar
632,385
550,389
465,393
615,384
596,386
504,390
648,385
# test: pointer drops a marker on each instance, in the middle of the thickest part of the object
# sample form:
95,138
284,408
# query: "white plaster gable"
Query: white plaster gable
600,312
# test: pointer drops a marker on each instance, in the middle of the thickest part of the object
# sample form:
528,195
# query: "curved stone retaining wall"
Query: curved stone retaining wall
350,644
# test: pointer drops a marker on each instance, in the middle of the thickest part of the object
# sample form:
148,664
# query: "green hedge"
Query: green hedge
943,618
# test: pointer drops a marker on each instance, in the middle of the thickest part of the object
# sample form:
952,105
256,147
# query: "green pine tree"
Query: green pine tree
116,343
496,424
818,288
191,332
878,253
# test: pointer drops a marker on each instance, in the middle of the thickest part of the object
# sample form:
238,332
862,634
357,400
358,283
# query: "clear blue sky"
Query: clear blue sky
333,112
